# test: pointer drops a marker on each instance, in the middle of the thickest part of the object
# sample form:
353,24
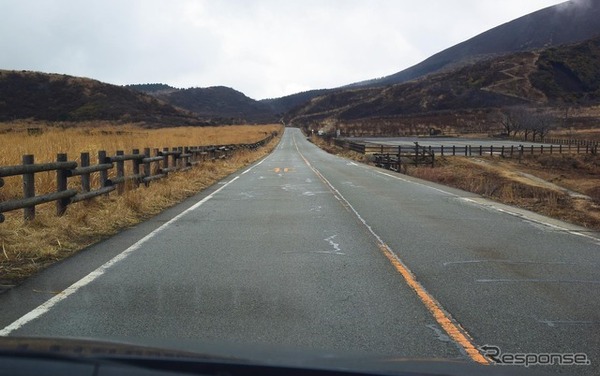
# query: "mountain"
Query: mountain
569,22
221,102
217,102
284,104
56,97
568,75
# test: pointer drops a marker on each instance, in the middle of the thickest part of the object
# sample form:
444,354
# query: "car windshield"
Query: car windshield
368,185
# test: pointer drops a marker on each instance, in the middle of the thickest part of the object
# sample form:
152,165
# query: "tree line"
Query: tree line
528,123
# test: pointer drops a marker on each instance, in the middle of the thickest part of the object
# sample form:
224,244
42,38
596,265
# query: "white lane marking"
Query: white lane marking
45,307
525,217
351,164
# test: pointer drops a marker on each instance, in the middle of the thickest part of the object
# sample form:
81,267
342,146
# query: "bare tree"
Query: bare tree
509,123
514,120
541,124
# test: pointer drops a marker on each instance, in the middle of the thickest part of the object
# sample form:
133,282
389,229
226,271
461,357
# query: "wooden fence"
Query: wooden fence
144,166
396,159
472,150
564,141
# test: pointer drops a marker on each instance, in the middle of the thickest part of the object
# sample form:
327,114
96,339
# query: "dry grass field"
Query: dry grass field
25,247
47,141
559,186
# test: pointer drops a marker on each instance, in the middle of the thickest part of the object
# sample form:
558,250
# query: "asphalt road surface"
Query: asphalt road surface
307,250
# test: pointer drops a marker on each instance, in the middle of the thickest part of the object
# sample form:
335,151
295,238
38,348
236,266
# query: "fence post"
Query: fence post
416,153
480,150
491,150
120,173
103,173
502,151
85,178
166,160
61,185
156,169
147,171
550,149
28,188
190,159
175,159
185,160
541,149
136,167
520,153
531,149
442,151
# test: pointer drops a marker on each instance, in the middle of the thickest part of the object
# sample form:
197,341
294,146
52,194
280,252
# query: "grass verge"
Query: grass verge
27,247
552,185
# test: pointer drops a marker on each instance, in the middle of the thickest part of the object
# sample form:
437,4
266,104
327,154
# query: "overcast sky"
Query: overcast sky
263,48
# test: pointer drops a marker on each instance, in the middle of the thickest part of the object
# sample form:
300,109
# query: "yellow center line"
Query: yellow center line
433,306
453,329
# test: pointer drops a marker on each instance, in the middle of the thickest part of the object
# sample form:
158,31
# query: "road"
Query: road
308,250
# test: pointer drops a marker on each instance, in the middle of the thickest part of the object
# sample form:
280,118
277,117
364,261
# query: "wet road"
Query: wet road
308,250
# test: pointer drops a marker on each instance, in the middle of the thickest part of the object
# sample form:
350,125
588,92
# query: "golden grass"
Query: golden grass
25,247
95,136
500,183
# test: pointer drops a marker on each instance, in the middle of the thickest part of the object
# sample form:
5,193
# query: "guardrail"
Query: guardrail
144,168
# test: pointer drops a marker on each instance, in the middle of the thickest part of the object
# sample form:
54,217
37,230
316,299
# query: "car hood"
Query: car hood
187,352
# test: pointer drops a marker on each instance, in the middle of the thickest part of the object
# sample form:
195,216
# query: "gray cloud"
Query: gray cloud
264,48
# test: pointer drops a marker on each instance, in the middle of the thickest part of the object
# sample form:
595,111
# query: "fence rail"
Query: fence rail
395,160
473,150
146,167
